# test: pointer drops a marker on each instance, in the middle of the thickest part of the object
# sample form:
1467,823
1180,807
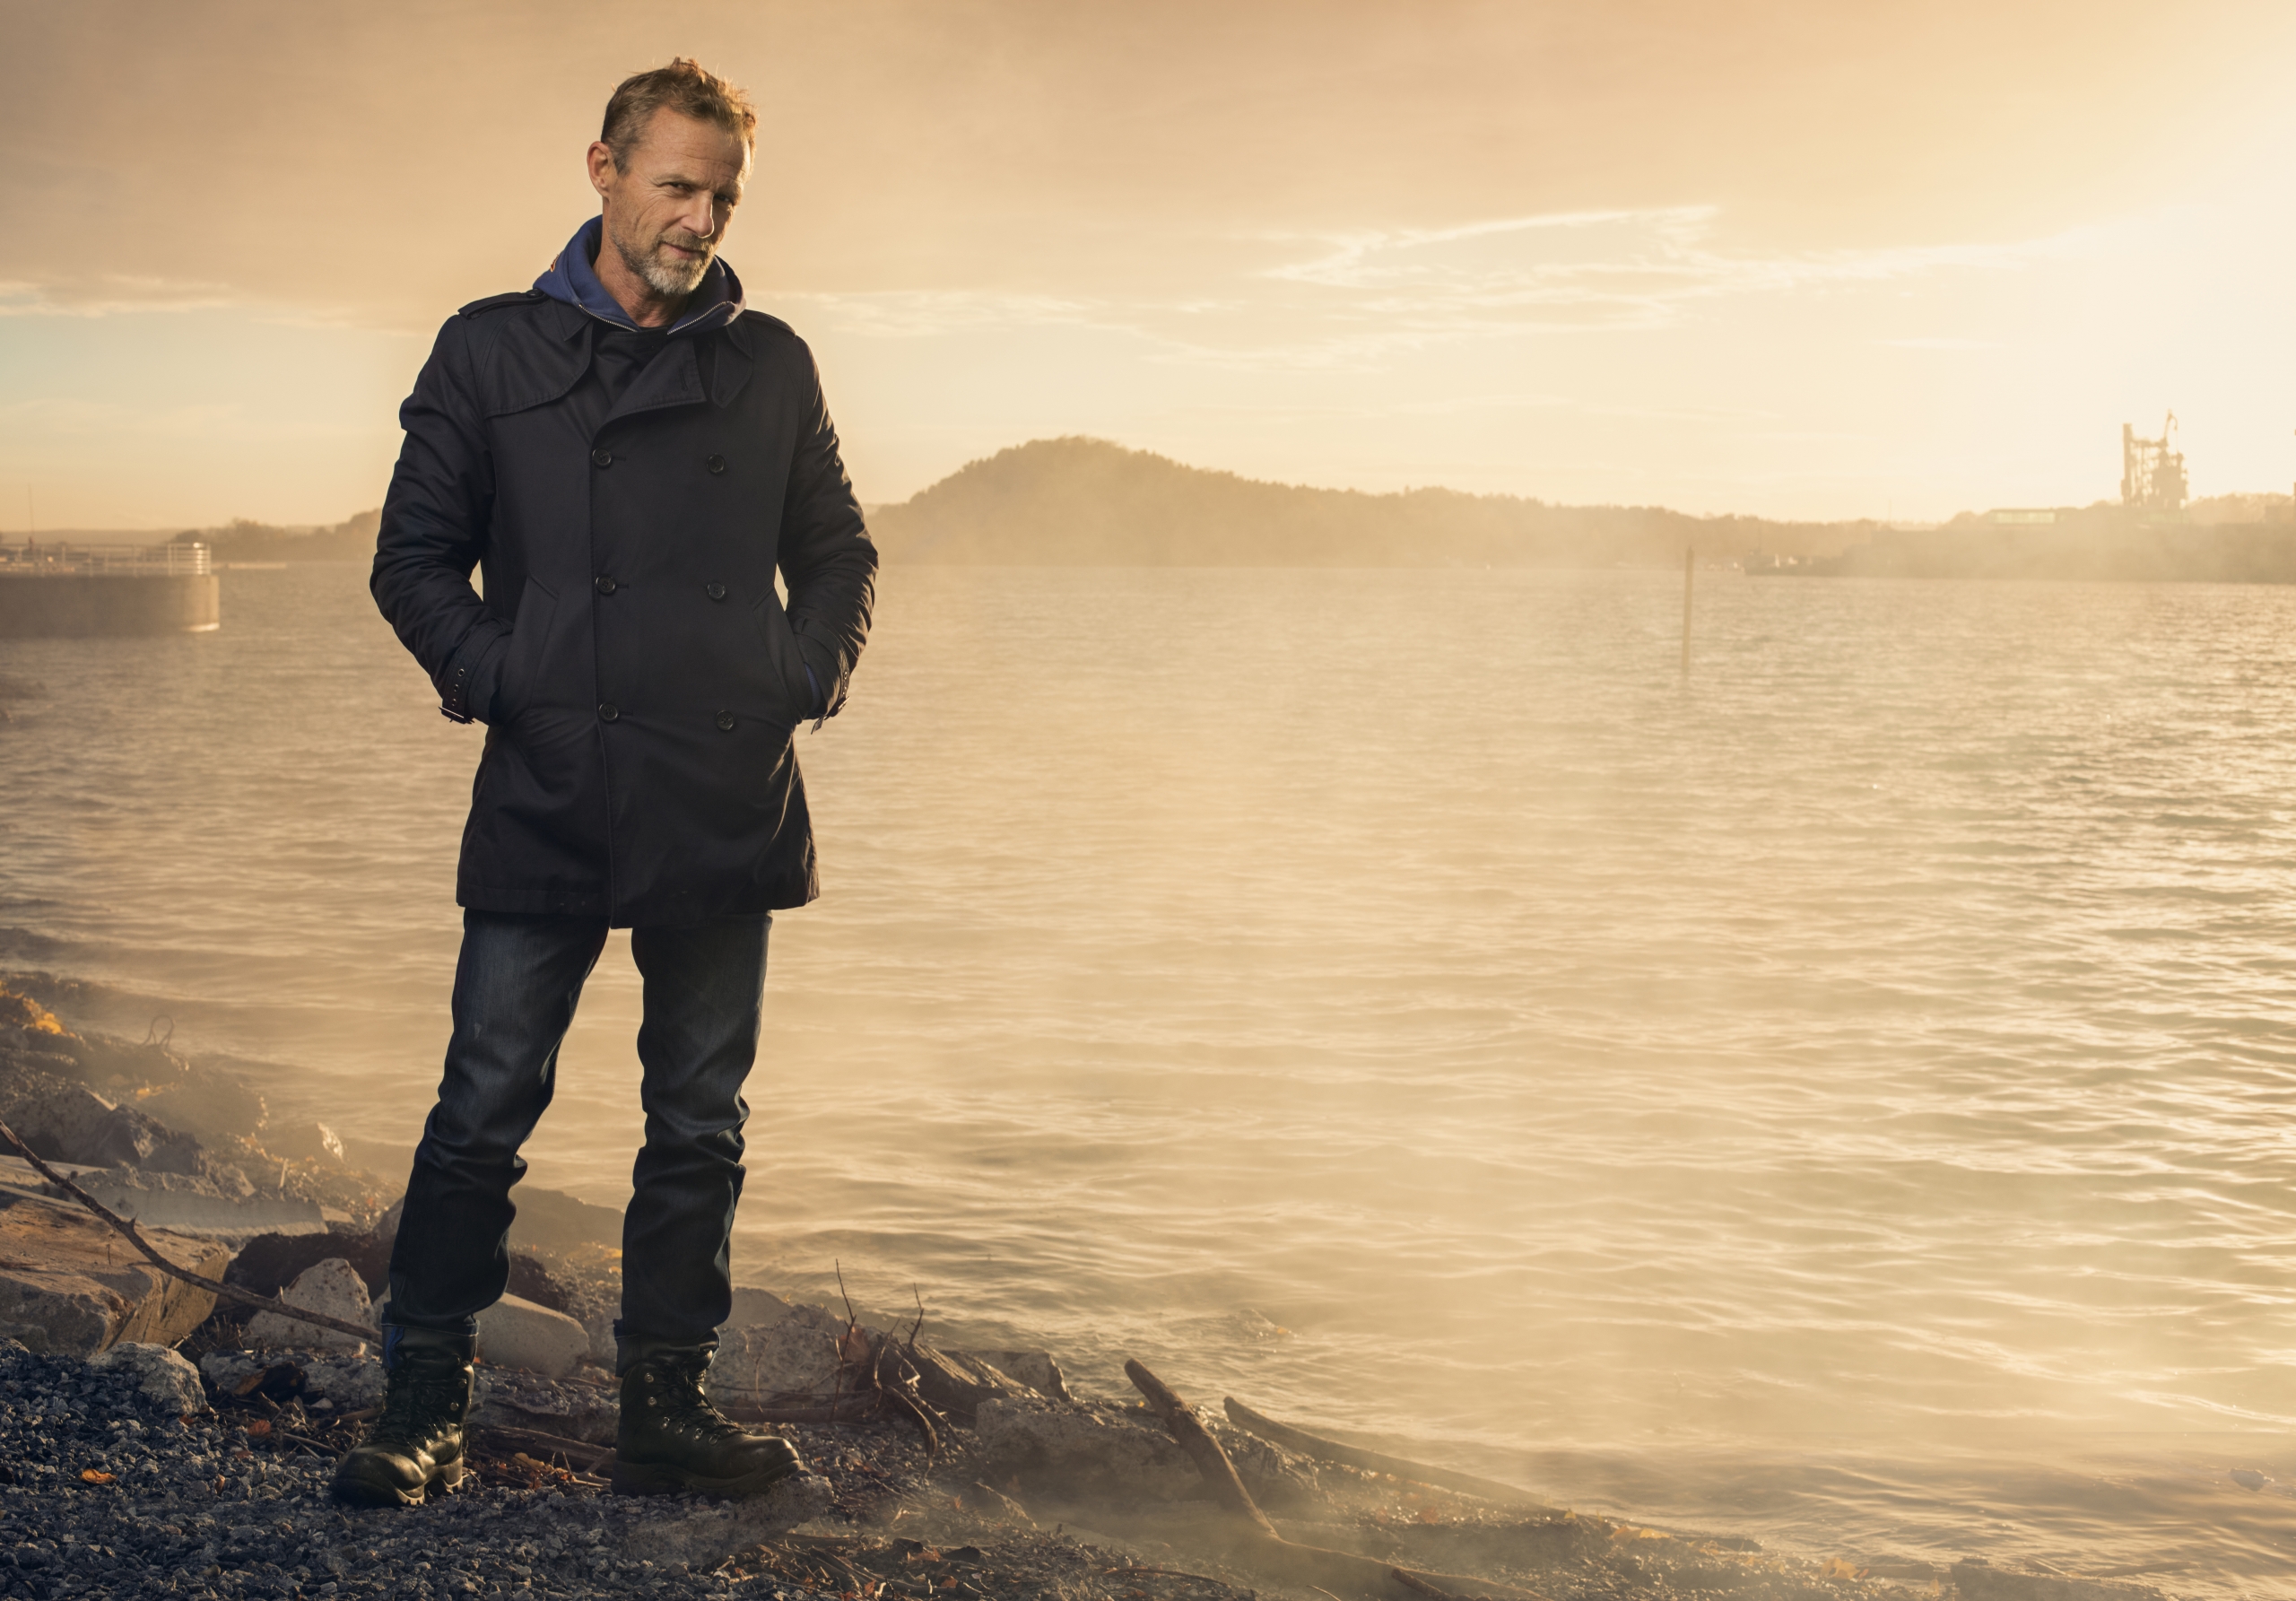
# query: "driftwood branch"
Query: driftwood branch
134,1237
531,1440
1330,1450
1219,1475
1311,1566
897,1397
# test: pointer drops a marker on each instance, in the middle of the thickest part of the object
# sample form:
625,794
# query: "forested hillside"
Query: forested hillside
1088,502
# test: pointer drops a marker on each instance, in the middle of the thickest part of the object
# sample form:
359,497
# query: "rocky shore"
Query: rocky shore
154,1442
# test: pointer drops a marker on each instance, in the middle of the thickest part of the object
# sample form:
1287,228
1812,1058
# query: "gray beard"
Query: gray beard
664,277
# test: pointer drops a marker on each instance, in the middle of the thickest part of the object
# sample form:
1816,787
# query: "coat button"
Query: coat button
602,458
604,584
608,711
724,719
716,464
714,591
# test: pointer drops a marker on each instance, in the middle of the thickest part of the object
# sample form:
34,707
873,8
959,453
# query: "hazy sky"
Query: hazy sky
1808,257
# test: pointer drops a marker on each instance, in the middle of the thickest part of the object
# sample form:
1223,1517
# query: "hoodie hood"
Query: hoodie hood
571,278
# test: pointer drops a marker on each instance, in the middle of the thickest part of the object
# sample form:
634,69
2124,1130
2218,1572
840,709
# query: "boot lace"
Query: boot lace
683,1406
417,1407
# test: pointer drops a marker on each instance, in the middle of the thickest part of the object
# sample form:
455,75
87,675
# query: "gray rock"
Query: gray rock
752,1306
228,1369
1104,1450
603,1350
703,1534
346,1383
507,1397
213,1105
350,1383
66,1121
387,1225
304,1141
70,1286
516,1333
1978,1580
1083,1451
159,1375
202,1206
1035,1369
790,1360
332,1287
550,1219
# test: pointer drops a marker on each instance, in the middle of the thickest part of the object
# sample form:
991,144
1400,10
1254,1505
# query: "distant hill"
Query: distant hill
1079,501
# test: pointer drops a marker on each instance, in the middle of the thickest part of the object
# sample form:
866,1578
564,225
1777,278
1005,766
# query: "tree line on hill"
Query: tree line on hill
1086,502
241,540
1077,501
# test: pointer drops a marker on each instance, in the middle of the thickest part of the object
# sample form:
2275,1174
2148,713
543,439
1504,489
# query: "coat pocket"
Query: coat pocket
787,662
514,689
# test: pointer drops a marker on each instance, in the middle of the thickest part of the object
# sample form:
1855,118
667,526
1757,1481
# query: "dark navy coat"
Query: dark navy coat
638,676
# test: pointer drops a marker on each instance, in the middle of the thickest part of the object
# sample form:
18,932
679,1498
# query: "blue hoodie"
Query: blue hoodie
571,278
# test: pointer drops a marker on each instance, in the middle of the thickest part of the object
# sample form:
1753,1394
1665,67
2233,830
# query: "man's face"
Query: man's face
667,211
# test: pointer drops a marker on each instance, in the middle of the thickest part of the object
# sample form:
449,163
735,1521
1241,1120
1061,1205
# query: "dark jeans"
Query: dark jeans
515,989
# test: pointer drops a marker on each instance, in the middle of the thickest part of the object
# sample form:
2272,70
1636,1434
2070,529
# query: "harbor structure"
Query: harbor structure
2151,472
60,590
2149,534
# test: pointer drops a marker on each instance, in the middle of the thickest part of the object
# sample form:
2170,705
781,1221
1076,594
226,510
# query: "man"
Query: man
629,455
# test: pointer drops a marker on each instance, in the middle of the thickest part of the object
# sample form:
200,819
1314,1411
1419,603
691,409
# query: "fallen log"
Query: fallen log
1257,1539
1348,1456
216,1287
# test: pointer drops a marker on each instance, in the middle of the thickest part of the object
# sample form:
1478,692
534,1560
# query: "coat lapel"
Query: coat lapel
734,360
672,378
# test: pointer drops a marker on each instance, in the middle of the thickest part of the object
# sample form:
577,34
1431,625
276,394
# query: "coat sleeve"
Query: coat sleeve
434,533
828,561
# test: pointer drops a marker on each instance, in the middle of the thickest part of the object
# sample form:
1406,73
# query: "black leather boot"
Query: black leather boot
416,1446
673,1439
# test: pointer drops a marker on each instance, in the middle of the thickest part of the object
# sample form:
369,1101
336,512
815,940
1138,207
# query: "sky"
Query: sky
1799,259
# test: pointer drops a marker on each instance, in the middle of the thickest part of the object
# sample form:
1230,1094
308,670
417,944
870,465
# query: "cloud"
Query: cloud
112,293
1359,299
1940,342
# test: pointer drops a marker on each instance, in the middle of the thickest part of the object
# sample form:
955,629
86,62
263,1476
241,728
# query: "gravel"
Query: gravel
104,1494
107,1489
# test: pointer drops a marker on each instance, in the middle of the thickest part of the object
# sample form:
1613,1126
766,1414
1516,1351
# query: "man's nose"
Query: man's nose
700,217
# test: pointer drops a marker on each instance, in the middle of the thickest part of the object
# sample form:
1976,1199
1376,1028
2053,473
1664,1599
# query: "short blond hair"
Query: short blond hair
686,87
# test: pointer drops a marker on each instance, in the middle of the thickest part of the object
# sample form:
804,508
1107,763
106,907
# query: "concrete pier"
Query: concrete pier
68,591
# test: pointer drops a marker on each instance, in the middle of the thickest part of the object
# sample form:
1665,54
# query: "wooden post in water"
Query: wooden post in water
1690,570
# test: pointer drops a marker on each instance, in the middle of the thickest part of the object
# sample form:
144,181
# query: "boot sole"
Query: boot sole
659,1478
369,1493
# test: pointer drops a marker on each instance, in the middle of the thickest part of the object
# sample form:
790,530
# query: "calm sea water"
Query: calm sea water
1846,1098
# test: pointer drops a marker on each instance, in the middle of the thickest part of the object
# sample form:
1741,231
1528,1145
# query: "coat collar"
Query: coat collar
573,280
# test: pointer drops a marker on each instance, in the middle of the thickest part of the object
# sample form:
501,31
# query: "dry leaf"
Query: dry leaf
260,1427
88,1475
1430,1515
1838,1568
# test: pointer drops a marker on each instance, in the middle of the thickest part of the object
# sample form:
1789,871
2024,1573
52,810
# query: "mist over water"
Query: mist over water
1844,1100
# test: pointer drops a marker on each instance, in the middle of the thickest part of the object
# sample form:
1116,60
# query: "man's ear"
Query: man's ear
603,171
